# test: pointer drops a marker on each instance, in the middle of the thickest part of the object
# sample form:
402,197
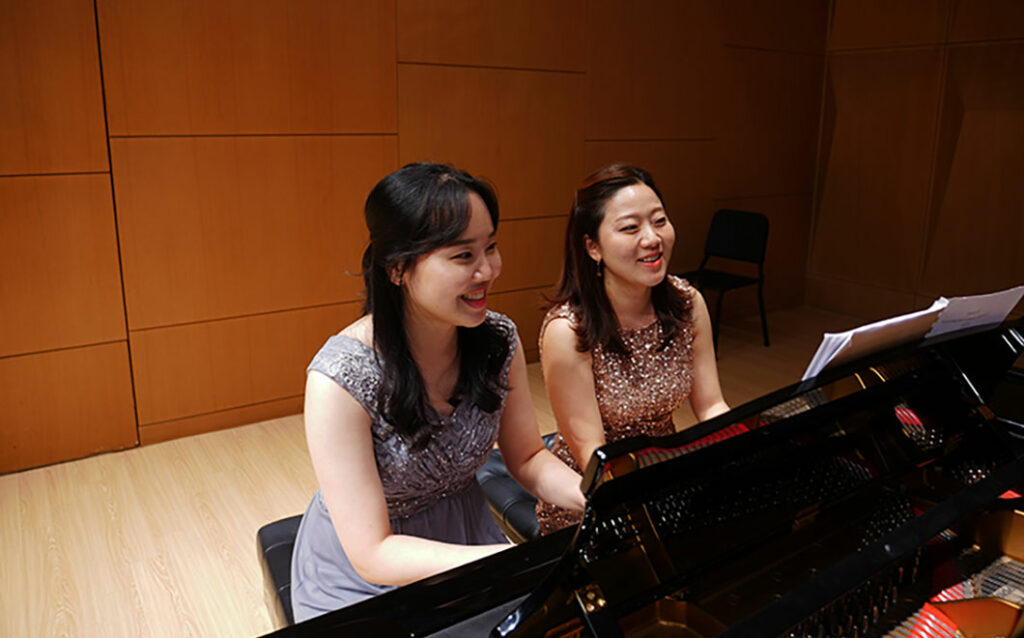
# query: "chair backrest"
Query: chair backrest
737,234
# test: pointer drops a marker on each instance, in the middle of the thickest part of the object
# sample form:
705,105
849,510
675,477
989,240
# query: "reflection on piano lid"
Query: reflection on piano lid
863,502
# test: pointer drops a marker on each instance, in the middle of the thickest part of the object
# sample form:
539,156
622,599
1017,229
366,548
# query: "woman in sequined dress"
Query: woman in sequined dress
404,405
624,343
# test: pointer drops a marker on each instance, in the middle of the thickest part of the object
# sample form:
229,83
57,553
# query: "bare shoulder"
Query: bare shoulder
696,298
560,340
361,330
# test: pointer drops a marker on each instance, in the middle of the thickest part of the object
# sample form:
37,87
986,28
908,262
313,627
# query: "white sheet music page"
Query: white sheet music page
976,310
839,347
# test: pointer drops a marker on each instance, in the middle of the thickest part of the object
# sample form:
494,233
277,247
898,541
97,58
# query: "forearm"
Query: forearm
400,559
712,410
551,480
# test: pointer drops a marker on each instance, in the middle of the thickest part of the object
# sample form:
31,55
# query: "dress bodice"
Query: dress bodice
636,392
413,480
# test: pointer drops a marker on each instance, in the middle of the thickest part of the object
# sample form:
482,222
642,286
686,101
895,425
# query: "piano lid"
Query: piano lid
816,487
758,519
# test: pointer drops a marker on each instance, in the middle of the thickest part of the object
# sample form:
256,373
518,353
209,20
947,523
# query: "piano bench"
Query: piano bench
513,507
274,541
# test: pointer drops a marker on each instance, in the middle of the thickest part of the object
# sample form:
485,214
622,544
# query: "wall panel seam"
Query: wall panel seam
79,346
64,174
509,220
113,210
650,139
767,195
267,313
940,99
245,135
220,411
515,290
981,43
887,48
488,66
744,47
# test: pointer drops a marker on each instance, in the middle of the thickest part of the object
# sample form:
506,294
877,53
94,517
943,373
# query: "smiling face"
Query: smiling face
635,237
448,286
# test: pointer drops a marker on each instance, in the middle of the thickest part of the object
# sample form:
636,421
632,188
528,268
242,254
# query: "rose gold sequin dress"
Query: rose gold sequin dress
635,394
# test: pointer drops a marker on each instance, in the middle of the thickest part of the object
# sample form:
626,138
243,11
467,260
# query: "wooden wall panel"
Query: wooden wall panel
881,23
61,283
685,174
222,420
520,129
65,404
535,34
51,107
526,308
789,230
860,300
208,367
977,222
223,227
770,110
531,252
184,67
987,20
653,70
874,167
788,25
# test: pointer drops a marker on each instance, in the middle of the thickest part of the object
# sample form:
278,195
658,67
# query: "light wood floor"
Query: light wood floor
161,540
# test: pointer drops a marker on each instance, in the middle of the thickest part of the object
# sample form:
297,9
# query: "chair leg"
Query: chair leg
764,317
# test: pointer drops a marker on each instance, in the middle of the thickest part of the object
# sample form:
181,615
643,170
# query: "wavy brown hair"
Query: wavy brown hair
417,209
581,284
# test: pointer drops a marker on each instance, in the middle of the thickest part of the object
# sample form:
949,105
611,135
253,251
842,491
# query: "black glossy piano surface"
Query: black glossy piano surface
873,500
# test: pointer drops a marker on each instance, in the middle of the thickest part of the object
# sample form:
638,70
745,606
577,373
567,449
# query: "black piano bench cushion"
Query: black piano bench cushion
513,507
275,542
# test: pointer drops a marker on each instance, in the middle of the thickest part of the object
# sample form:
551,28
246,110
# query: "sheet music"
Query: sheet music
838,347
944,315
976,310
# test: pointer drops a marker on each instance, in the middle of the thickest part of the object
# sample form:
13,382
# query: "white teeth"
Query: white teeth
475,296
651,259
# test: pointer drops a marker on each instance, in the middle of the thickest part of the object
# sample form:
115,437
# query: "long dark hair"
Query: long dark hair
581,284
417,209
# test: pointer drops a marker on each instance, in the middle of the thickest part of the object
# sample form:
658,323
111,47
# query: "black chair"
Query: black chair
275,541
738,235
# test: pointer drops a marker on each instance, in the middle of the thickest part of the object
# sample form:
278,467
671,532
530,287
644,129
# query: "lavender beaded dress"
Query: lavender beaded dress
431,493
635,394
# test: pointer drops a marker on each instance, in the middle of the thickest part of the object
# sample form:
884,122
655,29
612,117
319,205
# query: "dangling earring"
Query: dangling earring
600,268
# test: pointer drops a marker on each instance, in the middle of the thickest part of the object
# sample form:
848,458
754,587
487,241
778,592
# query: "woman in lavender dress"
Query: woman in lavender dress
403,405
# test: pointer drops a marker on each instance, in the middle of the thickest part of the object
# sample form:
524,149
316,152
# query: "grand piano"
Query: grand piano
880,498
